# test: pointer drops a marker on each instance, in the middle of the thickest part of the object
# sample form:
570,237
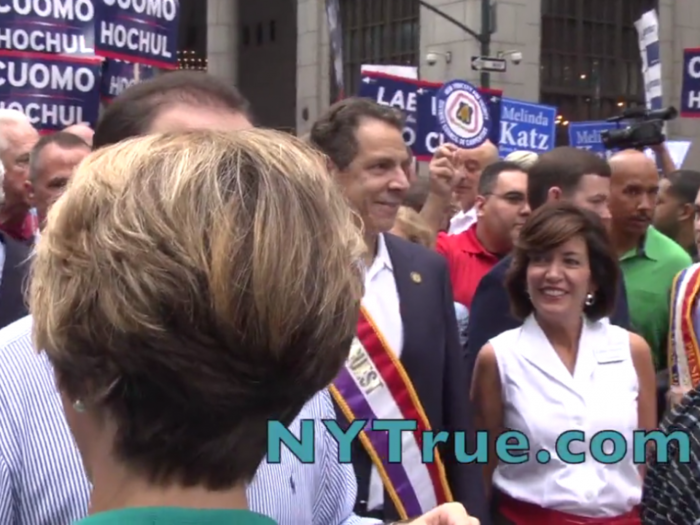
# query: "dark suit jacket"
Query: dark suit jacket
490,315
435,362
14,277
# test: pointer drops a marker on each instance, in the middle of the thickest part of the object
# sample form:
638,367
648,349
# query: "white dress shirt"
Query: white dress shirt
462,221
381,301
542,399
42,481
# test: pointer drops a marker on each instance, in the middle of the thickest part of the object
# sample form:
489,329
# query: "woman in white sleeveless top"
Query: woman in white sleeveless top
566,368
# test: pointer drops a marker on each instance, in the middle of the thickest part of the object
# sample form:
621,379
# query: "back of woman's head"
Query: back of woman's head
411,226
193,287
549,227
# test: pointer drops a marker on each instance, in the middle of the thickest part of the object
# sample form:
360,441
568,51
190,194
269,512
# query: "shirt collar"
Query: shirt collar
382,258
381,261
472,244
648,247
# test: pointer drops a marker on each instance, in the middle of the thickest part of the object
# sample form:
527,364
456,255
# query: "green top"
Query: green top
648,272
176,516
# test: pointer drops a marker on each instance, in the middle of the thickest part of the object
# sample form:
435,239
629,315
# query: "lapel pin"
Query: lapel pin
416,278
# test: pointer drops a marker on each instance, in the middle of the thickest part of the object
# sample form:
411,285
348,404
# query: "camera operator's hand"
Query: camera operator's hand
664,158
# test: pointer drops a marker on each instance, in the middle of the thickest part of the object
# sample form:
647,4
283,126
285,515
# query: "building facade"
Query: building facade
579,55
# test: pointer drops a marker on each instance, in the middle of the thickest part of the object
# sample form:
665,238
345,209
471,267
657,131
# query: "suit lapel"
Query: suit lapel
408,280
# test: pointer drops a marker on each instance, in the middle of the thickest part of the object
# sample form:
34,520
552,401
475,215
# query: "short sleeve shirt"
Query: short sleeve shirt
648,272
468,262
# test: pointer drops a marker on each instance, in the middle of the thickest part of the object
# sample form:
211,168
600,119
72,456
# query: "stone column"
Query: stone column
222,39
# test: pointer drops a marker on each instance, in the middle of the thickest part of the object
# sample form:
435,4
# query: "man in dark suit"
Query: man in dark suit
562,173
14,256
406,362
14,265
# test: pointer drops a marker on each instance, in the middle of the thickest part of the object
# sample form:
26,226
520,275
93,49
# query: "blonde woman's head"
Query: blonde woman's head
524,159
189,288
410,226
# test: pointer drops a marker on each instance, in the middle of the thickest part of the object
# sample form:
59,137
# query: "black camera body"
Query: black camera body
645,129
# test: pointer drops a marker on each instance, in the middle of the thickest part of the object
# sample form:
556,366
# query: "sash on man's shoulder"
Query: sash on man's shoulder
373,384
683,348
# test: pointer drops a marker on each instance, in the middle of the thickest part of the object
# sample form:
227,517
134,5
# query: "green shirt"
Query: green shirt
648,272
176,516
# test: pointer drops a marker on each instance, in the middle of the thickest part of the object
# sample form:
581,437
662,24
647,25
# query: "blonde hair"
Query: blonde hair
195,286
411,226
524,159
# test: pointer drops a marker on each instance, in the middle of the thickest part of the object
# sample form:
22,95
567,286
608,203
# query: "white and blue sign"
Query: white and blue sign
650,50
138,31
118,75
462,114
587,135
397,92
418,100
428,133
52,26
54,91
690,92
527,126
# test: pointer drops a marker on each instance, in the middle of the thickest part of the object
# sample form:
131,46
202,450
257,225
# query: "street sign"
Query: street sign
490,64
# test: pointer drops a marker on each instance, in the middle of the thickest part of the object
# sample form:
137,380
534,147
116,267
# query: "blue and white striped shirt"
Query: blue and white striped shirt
42,481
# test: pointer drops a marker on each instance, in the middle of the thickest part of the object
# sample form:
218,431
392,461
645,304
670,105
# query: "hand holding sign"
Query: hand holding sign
443,170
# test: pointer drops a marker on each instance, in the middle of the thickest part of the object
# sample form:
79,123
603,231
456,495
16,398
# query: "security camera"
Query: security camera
431,59
516,57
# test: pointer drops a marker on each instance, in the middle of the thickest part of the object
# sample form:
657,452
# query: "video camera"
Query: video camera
646,128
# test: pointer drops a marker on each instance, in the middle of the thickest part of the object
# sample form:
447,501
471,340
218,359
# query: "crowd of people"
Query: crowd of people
178,278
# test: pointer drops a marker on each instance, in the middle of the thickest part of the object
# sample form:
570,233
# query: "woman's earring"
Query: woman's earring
79,406
590,299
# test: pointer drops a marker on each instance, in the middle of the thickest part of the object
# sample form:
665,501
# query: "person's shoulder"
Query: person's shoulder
501,267
401,247
673,253
318,407
22,248
16,335
20,363
507,337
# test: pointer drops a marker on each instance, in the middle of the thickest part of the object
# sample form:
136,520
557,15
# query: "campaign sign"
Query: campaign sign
586,135
397,92
527,126
49,26
140,31
690,92
428,134
118,75
462,114
54,91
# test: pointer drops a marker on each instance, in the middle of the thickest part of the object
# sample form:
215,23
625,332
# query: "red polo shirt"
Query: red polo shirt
468,262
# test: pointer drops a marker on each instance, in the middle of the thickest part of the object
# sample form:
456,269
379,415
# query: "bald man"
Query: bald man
455,175
83,131
648,259
472,162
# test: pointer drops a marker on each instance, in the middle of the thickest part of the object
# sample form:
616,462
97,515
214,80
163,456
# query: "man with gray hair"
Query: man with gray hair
13,255
17,138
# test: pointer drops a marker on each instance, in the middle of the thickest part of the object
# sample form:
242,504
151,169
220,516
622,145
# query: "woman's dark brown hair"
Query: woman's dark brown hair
549,227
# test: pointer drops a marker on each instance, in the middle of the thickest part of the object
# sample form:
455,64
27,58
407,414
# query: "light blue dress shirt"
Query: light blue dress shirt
42,481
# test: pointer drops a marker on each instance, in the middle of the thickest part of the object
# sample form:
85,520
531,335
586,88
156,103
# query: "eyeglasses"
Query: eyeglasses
513,197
